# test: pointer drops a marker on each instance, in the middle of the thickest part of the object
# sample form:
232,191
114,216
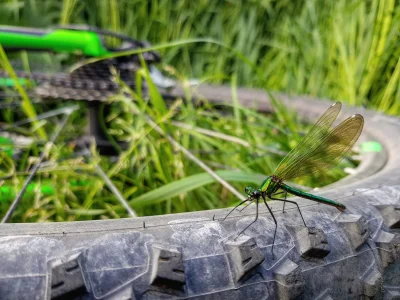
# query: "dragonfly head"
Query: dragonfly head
249,190
252,192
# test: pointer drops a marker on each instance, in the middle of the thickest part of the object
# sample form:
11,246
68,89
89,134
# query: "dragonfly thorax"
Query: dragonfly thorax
270,185
276,179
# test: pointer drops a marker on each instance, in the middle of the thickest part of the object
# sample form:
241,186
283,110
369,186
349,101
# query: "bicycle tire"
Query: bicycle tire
350,255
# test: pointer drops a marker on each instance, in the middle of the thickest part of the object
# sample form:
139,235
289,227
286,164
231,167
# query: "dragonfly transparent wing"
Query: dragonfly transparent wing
321,151
319,129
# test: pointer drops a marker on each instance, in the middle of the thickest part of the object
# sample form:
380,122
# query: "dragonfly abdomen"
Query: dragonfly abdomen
312,197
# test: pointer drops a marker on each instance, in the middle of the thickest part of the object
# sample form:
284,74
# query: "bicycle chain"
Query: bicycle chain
91,82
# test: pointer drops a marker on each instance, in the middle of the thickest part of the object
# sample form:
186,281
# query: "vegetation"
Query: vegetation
346,50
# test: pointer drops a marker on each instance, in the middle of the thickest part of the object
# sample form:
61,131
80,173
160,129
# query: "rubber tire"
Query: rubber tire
349,255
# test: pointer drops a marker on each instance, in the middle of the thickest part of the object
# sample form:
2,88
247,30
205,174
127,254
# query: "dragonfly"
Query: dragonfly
321,149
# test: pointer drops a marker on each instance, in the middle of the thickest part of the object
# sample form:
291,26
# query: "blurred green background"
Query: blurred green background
342,50
346,49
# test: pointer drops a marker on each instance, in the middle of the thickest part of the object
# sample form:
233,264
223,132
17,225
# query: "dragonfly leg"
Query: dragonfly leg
245,207
244,201
284,202
255,220
280,193
295,203
276,225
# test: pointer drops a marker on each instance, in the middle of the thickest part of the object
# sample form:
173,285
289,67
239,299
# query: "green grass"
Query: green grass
346,50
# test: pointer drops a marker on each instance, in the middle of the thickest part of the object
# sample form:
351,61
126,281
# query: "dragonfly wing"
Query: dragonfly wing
320,128
325,152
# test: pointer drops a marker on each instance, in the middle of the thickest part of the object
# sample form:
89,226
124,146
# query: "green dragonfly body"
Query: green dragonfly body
271,186
321,149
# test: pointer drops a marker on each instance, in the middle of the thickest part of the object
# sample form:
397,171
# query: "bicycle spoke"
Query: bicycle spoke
60,111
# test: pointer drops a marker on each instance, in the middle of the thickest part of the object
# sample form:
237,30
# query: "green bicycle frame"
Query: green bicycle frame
9,192
85,42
